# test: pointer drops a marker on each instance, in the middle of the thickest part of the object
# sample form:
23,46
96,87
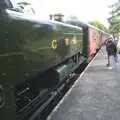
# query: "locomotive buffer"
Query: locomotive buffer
94,96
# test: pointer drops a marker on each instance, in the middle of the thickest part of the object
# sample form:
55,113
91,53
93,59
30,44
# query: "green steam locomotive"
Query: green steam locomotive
36,56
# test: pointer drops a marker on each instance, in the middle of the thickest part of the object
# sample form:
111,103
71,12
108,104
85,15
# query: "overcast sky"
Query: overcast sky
85,10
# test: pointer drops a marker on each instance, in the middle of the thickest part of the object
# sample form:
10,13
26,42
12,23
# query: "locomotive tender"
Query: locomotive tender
36,56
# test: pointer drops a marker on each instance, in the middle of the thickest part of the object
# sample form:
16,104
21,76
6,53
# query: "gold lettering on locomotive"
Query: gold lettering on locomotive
67,41
54,44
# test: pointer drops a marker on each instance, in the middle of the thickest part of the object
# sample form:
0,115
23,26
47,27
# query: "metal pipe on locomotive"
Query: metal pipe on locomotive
36,56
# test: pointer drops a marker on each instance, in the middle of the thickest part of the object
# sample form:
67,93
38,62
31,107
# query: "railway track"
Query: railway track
56,95
61,91
42,105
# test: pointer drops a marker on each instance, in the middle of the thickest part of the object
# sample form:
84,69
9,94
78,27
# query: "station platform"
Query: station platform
94,96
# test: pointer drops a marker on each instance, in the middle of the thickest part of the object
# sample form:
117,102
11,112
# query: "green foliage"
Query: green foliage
115,25
98,25
115,9
114,20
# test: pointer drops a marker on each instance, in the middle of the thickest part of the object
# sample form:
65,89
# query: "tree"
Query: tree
115,9
115,26
114,20
98,25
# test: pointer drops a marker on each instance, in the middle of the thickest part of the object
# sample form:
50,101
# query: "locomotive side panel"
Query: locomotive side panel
33,46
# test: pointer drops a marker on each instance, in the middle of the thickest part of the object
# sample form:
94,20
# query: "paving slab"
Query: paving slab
94,96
